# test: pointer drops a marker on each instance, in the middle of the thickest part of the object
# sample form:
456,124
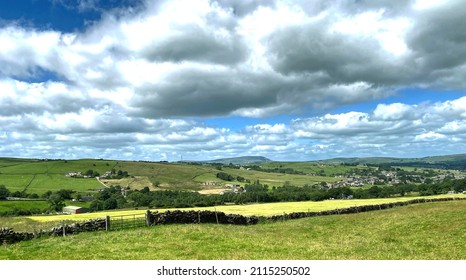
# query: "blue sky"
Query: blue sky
289,80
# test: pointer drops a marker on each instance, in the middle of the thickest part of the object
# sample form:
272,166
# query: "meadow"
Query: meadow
34,176
27,223
39,176
10,205
429,231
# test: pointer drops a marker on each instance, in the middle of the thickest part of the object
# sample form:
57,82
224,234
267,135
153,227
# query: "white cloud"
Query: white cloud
429,136
395,111
138,76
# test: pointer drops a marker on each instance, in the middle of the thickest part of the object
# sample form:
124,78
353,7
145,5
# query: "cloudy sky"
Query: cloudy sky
289,80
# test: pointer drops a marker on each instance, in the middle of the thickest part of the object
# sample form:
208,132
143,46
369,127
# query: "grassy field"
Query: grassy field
430,231
34,176
7,205
265,209
311,167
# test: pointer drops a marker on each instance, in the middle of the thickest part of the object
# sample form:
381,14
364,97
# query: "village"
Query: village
393,177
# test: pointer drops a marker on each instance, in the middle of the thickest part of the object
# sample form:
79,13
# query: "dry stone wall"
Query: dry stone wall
8,235
197,217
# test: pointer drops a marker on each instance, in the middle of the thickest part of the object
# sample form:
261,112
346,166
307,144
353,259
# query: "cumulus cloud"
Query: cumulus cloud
140,75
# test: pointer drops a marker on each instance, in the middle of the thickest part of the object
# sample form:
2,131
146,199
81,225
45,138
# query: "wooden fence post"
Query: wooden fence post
107,223
216,216
148,218
63,228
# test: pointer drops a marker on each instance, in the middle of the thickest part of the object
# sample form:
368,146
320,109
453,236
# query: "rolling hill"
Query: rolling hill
457,161
240,160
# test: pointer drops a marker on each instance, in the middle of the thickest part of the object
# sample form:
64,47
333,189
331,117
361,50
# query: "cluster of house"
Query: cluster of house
106,175
234,189
74,174
79,174
389,177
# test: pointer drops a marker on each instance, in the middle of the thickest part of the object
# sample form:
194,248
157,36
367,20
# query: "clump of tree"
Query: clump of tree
109,198
225,176
4,192
91,173
57,199
118,174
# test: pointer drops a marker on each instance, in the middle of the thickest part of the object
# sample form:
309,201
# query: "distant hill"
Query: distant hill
240,160
444,162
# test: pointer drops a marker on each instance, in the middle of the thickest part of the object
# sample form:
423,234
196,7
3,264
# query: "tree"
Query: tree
110,203
56,202
96,205
4,192
65,194
47,194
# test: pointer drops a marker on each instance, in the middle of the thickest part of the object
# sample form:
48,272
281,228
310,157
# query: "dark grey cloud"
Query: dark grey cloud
196,44
206,93
344,59
245,7
435,42
438,40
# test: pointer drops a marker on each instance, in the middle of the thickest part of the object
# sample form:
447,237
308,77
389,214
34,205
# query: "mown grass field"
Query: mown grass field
429,231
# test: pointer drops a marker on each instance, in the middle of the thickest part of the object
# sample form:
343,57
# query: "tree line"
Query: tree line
116,197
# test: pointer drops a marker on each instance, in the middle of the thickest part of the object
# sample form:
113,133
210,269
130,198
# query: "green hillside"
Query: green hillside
444,162
240,160
39,176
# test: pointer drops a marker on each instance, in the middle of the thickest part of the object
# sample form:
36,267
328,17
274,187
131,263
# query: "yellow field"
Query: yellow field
265,209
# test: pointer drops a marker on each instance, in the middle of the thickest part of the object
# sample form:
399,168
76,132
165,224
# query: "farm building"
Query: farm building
74,209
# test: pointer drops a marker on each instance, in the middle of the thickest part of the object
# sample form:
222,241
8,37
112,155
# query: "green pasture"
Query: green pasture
429,231
41,176
271,179
41,183
16,182
8,205
57,166
312,167
55,182
185,176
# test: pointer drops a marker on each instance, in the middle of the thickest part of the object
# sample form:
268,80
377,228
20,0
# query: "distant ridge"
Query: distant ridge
240,160
457,161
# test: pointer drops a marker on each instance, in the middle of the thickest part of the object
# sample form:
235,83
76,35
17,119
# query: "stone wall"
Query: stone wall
8,235
197,217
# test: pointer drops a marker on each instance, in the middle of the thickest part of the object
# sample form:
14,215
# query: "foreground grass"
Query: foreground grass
420,231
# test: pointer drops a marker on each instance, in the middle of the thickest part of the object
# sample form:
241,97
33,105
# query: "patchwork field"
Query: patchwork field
39,176
430,231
